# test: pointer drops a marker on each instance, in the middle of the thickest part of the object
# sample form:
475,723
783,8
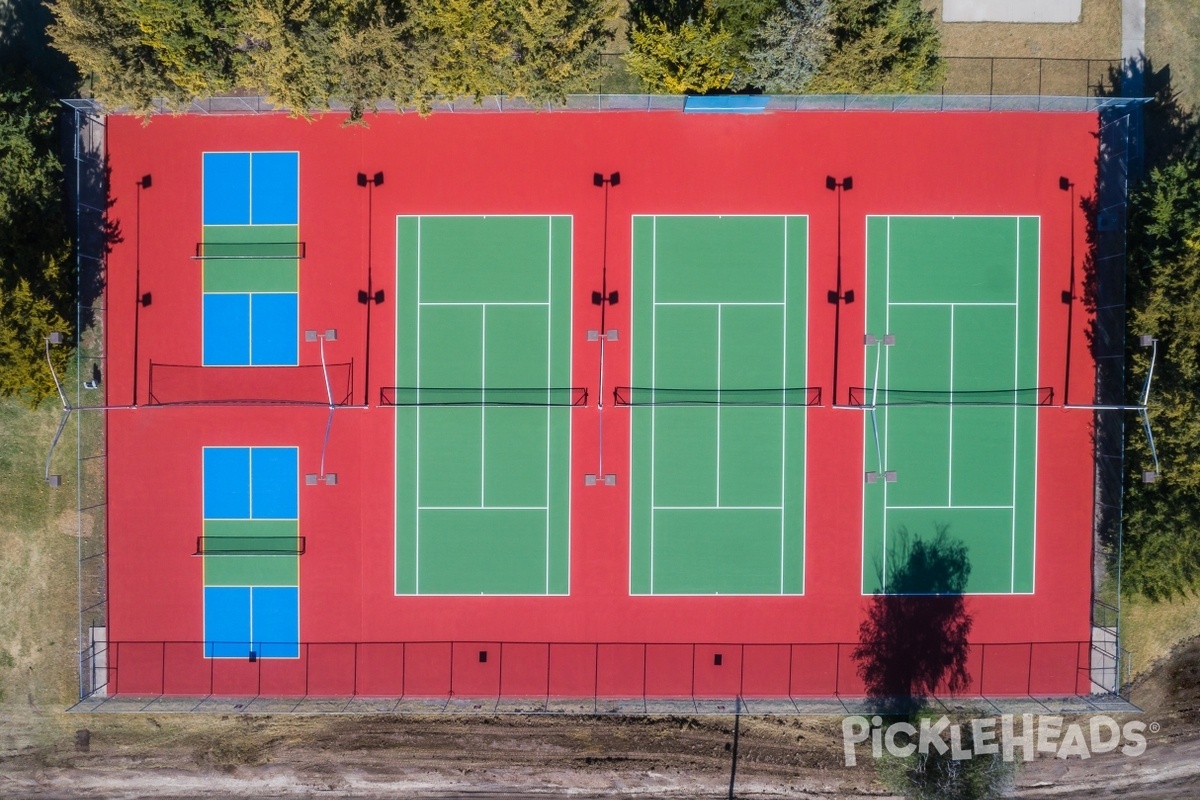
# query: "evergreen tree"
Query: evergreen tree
287,48
138,50
881,47
696,57
462,44
538,50
35,277
556,47
372,60
1162,519
790,46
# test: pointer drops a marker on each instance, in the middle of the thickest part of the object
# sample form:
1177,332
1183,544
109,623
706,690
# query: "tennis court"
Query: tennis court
483,404
954,387
718,399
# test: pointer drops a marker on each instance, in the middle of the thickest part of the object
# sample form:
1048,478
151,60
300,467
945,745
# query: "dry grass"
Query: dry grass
1096,35
1151,630
38,628
1173,41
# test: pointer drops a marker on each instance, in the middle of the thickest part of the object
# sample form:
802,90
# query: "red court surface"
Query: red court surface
358,637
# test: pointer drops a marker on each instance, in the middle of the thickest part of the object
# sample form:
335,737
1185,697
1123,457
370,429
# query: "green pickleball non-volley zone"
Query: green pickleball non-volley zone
483,405
951,374
718,403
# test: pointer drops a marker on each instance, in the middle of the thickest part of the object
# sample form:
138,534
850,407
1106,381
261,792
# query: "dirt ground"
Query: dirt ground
183,756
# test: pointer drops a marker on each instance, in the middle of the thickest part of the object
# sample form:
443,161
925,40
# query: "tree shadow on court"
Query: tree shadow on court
913,642
97,228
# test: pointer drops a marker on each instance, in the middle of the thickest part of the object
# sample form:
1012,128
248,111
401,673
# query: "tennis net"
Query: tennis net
206,251
659,396
869,397
250,545
194,384
539,397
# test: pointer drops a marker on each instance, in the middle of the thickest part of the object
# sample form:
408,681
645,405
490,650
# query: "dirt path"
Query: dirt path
181,756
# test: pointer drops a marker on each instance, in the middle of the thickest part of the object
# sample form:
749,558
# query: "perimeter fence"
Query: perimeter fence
1119,165
660,102
572,678
88,191
1102,661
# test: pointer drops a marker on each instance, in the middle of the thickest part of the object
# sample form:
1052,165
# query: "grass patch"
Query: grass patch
1151,630
1096,35
38,628
1173,41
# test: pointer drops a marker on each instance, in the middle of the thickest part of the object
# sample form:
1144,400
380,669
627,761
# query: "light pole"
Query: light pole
56,338
1068,296
370,296
836,296
140,300
603,298
327,478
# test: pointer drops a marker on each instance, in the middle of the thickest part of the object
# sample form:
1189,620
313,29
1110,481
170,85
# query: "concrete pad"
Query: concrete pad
1060,11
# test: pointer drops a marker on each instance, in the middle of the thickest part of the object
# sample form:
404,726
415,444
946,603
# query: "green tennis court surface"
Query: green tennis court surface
719,307
960,296
482,503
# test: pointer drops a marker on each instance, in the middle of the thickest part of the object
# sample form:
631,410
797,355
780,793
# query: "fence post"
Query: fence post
982,663
1029,673
837,670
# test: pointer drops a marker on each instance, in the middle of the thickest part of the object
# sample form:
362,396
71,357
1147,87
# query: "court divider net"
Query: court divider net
668,396
194,384
869,397
538,397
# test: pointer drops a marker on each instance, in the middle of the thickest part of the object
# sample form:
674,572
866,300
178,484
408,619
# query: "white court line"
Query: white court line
1016,382
483,409
655,303
887,381
783,418
417,454
952,304
1012,558
483,303
943,508
718,406
950,448
1037,366
716,508
549,351
653,375
483,508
